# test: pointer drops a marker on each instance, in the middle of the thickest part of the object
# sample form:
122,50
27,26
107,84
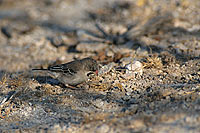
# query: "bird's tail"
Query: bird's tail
39,69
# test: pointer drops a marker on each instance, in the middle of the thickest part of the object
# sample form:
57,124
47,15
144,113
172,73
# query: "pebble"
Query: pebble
106,68
102,129
133,69
109,53
142,52
126,60
180,47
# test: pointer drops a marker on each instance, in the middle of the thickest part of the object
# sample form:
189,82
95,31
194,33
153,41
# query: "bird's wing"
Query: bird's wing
69,71
62,68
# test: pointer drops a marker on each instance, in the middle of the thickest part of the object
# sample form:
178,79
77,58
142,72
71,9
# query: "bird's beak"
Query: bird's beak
96,72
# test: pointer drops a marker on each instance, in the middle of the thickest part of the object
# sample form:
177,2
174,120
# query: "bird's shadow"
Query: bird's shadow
52,81
46,79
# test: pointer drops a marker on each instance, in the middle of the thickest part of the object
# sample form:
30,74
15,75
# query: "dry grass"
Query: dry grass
13,82
8,84
153,62
100,87
6,109
4,80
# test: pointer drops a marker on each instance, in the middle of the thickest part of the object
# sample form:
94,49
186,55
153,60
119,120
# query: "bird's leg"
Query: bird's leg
67,86
70,87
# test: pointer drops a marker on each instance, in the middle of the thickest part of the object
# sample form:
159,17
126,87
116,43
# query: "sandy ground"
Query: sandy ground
150,56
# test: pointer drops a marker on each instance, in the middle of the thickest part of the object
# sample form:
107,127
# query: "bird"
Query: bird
73,73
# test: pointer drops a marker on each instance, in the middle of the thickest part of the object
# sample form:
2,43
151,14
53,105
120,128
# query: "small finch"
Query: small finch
75,72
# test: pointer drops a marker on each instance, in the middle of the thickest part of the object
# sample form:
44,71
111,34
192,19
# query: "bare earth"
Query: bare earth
150,56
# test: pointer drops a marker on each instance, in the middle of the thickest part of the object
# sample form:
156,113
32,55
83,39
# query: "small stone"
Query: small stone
106,68
142,52
133,69
126,60
198,72
102,129
109,53
180,48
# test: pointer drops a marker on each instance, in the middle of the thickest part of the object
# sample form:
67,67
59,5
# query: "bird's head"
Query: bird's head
91,65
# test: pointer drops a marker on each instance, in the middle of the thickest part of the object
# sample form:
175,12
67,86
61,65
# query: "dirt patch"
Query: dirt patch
150,56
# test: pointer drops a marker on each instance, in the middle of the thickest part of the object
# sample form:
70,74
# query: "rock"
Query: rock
109,53
102,129
142,52
133,69
180,48
106,68
126,60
